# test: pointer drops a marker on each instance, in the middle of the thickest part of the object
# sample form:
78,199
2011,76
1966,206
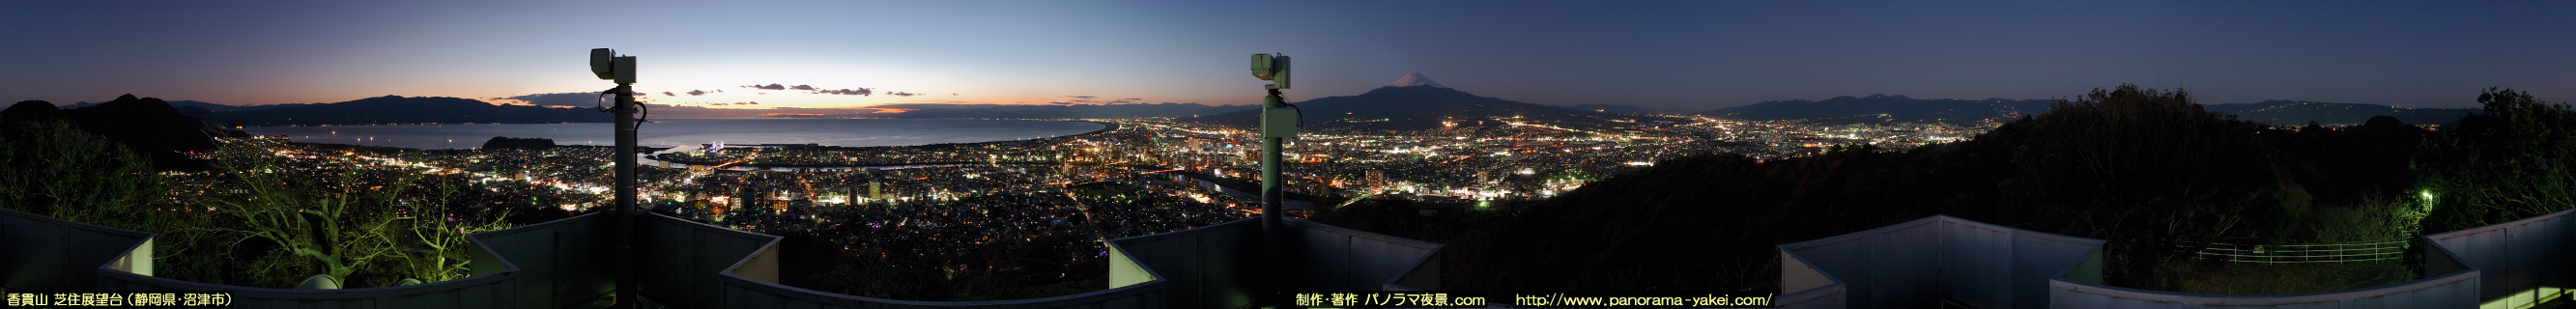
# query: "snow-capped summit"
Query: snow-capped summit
1411,79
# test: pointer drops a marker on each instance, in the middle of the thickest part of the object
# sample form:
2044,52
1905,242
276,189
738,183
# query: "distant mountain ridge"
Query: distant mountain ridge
1880,108
2287,112
394,109
1415,108
1414,102
183,105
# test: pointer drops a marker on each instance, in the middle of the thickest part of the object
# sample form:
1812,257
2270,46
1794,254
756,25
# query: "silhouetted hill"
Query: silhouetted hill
31,110
1415,108
211,107
504,142
148,126
399,109
1879,108
2285,112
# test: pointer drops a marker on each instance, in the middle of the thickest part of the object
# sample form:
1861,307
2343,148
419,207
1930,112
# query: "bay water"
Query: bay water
695,131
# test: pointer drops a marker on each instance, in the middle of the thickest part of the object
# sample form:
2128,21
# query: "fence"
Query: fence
54,254
2455,290
481,291
2302,253
557,264
1341,259
2450,284
1205,267
1940,258
488,288
2524,261
564,263
679,262
1946,259
1144,274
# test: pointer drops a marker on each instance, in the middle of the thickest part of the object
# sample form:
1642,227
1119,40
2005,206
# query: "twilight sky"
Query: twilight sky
1680,55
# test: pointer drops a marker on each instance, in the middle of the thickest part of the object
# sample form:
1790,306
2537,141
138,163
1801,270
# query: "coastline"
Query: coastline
1105,127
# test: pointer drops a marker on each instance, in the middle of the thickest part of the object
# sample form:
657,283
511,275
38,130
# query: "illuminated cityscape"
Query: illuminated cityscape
934,154
1136,178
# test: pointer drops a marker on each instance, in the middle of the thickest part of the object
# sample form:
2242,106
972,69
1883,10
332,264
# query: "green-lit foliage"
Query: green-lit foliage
441,239
56,170
337,225
356,223
2512,162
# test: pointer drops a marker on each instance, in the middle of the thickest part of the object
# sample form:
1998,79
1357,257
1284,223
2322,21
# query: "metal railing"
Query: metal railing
2300,253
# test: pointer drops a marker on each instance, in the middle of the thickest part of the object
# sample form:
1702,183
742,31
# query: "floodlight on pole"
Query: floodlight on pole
1278,123
608,65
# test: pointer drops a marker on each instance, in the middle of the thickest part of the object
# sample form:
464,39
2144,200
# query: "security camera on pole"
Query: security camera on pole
608,65
1278,123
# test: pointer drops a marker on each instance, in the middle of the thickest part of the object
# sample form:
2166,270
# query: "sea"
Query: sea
695,131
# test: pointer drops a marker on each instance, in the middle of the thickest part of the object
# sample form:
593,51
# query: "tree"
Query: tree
2511,162
56,170
441,240
357,223
336,226
2144,161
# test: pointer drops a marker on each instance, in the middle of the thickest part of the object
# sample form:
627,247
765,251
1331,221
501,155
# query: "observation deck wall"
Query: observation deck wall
1934,259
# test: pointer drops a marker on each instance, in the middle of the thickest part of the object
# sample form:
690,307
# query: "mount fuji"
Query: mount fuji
1414,102
1411,79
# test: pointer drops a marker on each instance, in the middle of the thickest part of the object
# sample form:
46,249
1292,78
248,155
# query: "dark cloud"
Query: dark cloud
1132,99
669,94
560,99
857,91
748,103
697,92
1085,97
719,104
